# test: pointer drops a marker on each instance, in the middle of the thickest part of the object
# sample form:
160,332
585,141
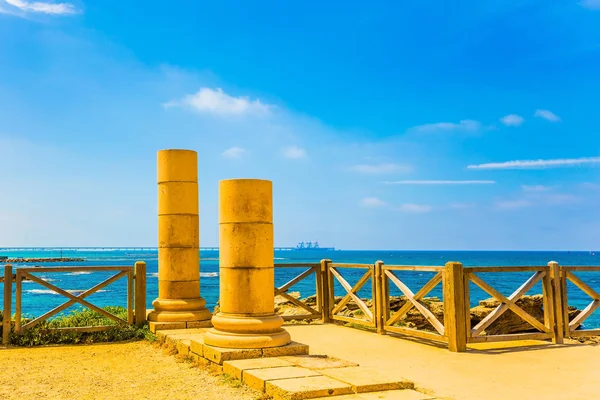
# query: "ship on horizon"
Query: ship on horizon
304,246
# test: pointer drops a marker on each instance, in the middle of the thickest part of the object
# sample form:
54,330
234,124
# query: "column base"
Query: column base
238,331
179,310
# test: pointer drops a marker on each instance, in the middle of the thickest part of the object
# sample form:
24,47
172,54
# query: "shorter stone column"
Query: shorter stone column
246,254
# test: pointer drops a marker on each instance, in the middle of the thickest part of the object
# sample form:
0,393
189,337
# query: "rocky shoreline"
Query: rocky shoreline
507,323
42,260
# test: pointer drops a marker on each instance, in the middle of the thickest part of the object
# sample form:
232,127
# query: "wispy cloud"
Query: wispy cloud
461,206
512,120
294,152
591,4
466,126
234,152
535,188
372,202
217,102
41,7
415,208
520,164
438,182
384,168
513,204
547,115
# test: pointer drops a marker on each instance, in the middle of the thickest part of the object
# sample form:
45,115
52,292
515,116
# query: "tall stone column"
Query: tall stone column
178,240
247,319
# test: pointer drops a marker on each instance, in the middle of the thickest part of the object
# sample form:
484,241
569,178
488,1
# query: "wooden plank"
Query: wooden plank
366,276
582,268
69,303
359,266
331,293
130,297
7,312
454,307
378,297
18,301
467,290
582,285
509,302
353,320
140,292
319,289
76,269
582,316
549,314
385,297
98,328
297,279
300,304
351,291
565,300
76,299
406,307
510,337
422,268
422,309
416,333
559,324
327,290
585,332
525,268
300,317
295,265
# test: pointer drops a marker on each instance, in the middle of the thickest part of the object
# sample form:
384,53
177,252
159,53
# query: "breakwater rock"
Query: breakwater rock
43,260
507,323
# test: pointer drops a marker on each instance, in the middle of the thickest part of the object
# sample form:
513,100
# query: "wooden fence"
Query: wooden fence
455,329
136,296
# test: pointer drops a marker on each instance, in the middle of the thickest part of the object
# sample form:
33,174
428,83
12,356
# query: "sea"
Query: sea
37,299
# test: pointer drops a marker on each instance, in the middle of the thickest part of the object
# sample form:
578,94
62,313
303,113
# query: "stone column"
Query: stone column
247,319
178,240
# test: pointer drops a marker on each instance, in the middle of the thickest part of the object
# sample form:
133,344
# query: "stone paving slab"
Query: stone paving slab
160,326
237,367
407,394
363,379
257,378
319,362
306,388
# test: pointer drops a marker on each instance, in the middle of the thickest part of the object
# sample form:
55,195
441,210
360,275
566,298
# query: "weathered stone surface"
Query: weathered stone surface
364,379
319,362
256,378
292,349
237,367
306,388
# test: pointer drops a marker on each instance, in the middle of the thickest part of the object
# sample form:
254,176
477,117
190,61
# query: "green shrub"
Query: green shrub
42,335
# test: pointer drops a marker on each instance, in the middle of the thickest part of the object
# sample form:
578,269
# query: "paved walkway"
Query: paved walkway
570,372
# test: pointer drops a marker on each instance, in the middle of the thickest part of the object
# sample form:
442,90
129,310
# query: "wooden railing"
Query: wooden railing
136,297
455,329
311,312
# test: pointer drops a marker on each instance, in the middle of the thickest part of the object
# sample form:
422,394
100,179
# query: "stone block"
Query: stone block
364,379
199,324
256,378
159,326
306,388
292,349
220,354
197,345
318,362
183,347
235,368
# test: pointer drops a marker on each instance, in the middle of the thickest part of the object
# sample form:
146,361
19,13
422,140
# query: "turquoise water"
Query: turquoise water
38,299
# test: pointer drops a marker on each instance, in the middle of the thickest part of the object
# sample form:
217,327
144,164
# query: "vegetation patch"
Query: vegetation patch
42,333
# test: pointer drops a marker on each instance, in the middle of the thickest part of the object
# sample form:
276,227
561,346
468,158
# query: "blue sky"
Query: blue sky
383,125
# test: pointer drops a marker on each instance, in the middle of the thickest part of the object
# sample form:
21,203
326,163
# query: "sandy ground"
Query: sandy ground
108,371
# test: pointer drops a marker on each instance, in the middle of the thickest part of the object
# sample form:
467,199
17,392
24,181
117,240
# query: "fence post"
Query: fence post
140,292
455,325
557,298
7,303
325,290
379,297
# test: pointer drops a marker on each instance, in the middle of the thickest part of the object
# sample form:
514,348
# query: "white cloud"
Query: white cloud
294,152
217,102
372,202
513,204
234,152
591,4
547,115
43,7
535,188
415,208
461,206
512,120
385,168
437,182
519,164
467,125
